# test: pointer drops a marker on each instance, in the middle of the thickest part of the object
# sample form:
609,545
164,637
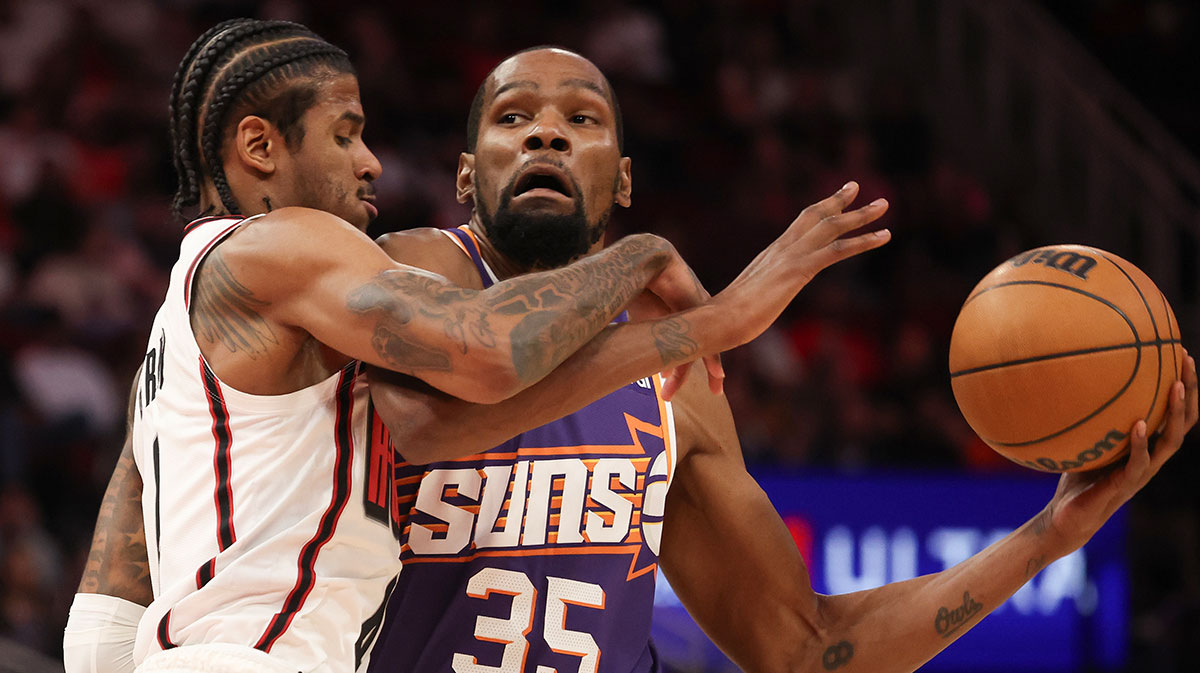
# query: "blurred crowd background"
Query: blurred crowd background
737,115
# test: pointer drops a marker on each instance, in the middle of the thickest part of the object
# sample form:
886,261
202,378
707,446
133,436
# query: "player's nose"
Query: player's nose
369,167
547,132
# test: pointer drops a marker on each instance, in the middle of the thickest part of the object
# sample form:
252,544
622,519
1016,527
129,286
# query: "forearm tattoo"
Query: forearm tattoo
117,563
227,312
1040,525
555,312
672,340
950,620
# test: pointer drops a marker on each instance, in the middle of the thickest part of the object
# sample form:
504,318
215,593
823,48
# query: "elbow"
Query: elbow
495,378
810,646
485,383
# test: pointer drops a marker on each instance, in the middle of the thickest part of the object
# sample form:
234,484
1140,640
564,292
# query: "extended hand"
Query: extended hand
813,242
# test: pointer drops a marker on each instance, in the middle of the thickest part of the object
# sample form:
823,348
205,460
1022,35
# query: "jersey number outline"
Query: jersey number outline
513,632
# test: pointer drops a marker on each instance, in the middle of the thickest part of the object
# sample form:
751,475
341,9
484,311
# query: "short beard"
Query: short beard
540,240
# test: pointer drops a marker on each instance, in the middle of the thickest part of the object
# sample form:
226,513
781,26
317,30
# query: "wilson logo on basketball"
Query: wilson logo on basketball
1086,456
1064,260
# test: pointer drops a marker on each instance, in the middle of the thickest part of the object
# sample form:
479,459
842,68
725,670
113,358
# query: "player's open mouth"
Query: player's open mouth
543,180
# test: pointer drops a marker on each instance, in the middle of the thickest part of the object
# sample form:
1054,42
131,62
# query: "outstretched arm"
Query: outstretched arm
310,271
764,613
428,426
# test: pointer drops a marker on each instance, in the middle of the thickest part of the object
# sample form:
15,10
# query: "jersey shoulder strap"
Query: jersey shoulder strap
465,239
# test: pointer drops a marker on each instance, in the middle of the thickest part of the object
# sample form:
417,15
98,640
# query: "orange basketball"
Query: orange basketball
1058,352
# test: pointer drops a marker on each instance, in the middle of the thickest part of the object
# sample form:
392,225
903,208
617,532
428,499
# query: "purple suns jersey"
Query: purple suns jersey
539,555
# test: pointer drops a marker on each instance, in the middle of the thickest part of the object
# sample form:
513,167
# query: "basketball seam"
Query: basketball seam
1051,356
1170,331
1153,324
1116,309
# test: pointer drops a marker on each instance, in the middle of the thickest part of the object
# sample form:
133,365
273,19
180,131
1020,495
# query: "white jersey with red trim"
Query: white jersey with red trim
268,518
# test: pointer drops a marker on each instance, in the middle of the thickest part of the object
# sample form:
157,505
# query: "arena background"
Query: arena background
990,126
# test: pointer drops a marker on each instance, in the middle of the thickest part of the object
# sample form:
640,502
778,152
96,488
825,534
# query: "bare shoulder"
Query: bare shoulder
293,246
432,250
284,232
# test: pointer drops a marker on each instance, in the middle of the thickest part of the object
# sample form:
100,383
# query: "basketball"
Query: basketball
1057,353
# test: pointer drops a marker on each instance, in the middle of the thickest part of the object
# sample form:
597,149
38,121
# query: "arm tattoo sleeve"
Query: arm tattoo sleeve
551,313
117,563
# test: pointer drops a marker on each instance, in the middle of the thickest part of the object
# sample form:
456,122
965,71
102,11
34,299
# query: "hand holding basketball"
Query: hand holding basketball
1085,500
1058,351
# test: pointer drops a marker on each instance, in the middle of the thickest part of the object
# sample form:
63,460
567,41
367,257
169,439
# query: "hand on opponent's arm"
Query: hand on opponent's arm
763,612
428,425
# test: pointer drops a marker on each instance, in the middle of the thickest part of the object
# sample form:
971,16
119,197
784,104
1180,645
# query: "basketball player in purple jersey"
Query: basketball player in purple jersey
540,554
266,117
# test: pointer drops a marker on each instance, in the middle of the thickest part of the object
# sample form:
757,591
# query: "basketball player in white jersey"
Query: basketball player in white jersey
250,419
724,549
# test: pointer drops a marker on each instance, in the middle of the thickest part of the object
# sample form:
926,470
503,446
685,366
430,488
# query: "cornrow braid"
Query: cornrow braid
190,82
236,62
182,134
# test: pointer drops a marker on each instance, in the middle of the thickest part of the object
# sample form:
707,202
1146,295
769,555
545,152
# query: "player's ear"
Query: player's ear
624,191
464,182
254,141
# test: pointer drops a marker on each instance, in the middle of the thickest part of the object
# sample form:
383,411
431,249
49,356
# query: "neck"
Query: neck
501,265
210,203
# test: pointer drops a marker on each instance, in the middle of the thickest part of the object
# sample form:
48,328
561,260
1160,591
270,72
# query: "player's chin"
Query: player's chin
360,214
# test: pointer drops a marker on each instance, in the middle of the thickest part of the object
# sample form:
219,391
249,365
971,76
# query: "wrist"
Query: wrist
1049,541
714,327
649,253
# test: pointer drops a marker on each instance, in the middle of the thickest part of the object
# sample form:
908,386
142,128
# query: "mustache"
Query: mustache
366,191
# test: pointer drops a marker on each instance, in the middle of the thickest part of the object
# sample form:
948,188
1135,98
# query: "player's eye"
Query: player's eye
344,141
582,119
510,118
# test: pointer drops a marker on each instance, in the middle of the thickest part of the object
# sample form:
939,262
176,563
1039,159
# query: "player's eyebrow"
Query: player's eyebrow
584,84
519,84
353,118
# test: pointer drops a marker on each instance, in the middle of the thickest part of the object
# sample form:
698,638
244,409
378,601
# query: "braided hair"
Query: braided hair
245,66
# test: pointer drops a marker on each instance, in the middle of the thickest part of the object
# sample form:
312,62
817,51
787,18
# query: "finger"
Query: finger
845,248
1192,398
1135,473
1171,436
834,227
716,374
675,381
830,205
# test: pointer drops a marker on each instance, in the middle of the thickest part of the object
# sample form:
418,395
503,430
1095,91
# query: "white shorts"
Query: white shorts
213,658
